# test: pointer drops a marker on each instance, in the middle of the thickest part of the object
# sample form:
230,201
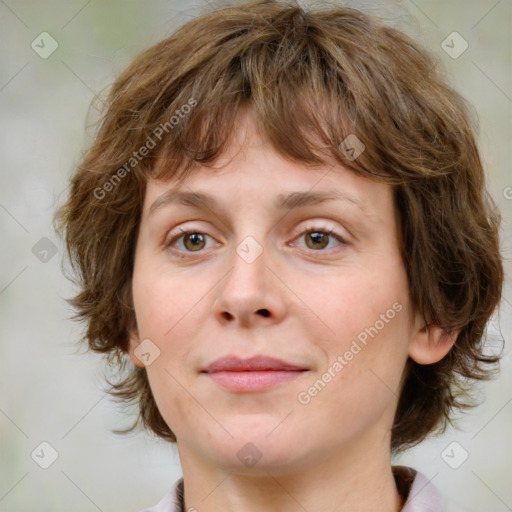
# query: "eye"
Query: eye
317,238
193,240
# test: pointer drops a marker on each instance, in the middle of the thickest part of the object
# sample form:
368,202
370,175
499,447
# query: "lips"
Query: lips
253,364
256,374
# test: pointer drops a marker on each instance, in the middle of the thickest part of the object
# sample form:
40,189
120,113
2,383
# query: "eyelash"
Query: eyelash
310,229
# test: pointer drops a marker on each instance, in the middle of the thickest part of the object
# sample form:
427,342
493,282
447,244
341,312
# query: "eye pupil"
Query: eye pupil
316,237
193,238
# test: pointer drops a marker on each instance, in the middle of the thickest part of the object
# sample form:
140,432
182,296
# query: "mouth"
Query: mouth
255,374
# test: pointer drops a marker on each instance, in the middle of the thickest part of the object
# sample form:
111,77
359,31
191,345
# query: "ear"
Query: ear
430,343
133,343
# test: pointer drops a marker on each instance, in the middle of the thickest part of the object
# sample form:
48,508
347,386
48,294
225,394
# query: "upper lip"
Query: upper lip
256,363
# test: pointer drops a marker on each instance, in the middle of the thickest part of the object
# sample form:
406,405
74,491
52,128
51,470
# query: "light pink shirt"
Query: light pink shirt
420,494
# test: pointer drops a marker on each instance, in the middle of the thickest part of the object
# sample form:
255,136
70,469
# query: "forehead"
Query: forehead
251,171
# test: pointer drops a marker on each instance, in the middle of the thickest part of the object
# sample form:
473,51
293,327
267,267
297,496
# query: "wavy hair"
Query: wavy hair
312,77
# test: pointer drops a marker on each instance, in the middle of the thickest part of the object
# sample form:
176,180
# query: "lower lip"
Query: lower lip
253,381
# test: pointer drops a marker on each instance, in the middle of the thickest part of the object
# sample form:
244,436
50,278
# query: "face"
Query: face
318,285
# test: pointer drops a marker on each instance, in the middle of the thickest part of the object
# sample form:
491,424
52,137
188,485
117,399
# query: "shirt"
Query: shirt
419,494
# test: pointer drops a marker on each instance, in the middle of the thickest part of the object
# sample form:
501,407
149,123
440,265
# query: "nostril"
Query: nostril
264,312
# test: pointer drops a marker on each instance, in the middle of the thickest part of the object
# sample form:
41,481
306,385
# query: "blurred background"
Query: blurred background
57,451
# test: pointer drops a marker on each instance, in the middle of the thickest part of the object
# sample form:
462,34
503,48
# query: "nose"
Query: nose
251,292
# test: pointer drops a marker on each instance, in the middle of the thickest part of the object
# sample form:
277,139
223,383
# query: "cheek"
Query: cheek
364,388
173,402
352,403
356,303
159,301
370,324
168,312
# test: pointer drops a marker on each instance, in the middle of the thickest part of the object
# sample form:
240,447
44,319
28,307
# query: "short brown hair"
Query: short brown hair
313,77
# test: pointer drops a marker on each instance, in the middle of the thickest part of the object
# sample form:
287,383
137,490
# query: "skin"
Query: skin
333,453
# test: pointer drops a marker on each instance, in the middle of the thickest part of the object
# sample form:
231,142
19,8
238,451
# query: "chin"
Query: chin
252,451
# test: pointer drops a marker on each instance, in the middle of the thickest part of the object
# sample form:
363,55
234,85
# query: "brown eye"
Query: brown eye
319,239
188,241
193,241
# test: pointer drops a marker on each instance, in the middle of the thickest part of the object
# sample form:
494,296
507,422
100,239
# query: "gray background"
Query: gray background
49,390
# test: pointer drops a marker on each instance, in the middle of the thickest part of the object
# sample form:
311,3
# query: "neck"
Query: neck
349,480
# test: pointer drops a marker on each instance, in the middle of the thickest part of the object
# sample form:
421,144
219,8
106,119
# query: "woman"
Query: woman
282,223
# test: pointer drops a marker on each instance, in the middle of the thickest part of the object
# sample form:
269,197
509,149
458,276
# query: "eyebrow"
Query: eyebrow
292,201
